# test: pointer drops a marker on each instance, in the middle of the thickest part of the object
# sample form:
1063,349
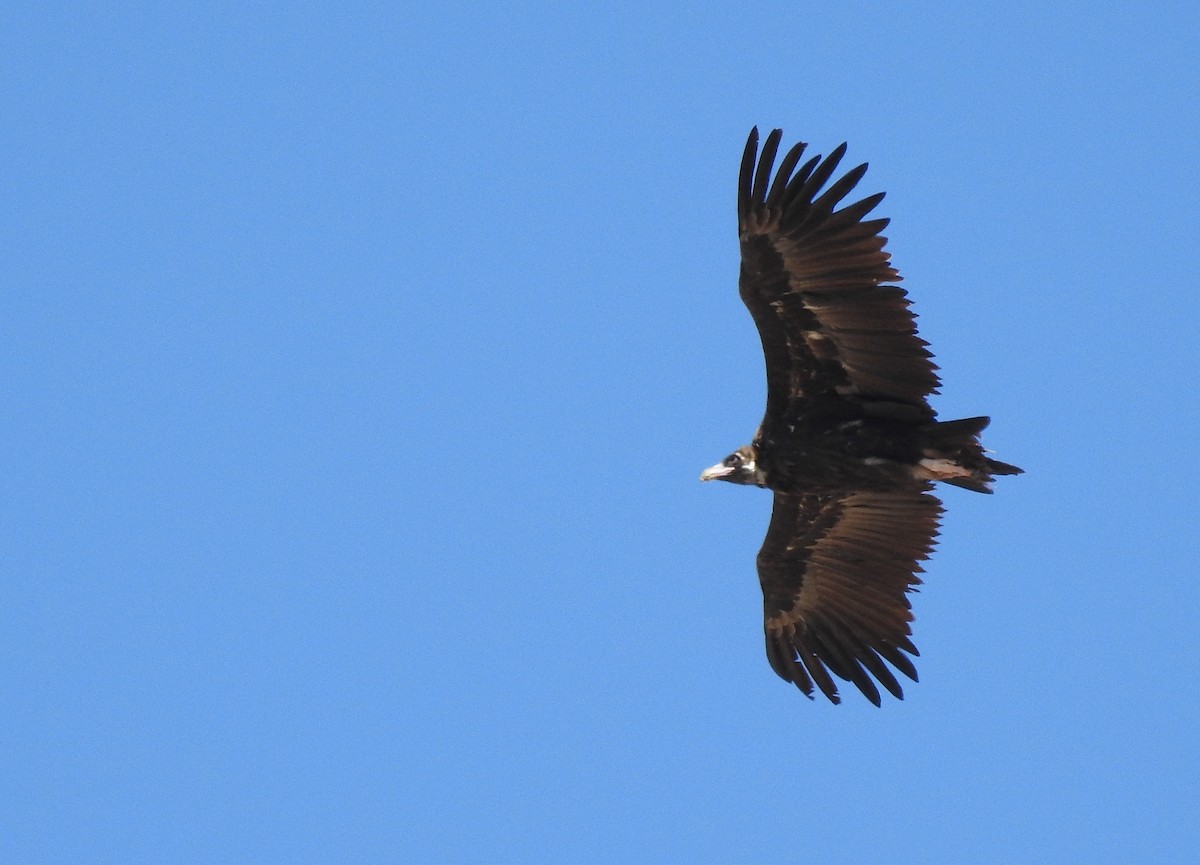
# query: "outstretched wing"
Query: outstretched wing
814,279
835,573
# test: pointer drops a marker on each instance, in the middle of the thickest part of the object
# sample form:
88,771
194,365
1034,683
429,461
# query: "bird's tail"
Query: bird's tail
953,454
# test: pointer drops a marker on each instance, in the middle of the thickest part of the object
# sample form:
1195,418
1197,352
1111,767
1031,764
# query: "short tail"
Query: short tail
953,454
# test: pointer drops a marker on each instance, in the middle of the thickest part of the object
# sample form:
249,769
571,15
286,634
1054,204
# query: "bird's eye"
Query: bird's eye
733,461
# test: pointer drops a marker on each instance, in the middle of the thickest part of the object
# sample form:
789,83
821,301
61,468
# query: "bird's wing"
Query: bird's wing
815,281
835,573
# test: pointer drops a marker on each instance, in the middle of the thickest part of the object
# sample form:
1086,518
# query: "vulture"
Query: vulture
848,444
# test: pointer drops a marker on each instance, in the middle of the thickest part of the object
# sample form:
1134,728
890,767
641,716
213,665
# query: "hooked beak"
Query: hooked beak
716,472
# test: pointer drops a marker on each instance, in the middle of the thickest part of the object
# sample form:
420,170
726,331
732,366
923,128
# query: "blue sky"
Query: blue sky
360,363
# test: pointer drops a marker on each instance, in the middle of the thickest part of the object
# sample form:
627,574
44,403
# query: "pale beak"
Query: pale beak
716,472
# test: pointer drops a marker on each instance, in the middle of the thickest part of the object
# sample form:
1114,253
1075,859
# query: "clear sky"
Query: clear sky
360,361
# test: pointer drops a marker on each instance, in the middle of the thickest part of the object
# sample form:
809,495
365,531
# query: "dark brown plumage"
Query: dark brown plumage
848,442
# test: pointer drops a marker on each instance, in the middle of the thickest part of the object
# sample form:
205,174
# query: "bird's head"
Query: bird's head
740,467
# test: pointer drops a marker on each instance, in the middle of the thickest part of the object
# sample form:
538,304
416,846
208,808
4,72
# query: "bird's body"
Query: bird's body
834,446
848,443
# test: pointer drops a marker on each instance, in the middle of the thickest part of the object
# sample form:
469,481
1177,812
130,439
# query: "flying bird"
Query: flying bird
848,444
